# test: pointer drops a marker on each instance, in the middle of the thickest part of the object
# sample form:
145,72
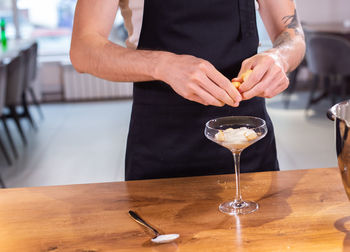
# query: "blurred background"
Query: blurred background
72,127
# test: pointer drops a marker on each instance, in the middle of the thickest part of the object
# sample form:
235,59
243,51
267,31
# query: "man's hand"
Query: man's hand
197,80
267,79
269,68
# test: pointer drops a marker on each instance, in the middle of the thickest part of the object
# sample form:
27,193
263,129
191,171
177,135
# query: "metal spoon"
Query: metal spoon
159,238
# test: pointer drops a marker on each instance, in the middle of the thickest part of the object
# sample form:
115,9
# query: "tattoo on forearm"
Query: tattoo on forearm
292,22
281,39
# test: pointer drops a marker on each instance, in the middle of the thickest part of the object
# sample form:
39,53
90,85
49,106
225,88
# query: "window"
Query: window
6,13
49,22
264,39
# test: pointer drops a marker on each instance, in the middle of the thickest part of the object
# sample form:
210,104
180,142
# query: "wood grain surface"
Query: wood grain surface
302,210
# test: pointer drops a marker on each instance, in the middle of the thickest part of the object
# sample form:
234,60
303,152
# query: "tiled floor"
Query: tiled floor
304,140
76,143
85,142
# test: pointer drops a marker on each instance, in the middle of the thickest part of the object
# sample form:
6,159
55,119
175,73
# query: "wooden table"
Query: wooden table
302,210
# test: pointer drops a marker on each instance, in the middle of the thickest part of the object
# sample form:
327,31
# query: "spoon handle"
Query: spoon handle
139,220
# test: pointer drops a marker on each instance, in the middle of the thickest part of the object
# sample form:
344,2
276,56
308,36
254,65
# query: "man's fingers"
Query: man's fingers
255,77
217,92
246,65
234,93
207,97
259,88
271,92
280,84
237,80
220,80
196,98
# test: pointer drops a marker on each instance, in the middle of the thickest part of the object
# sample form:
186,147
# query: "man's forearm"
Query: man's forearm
289,45
102,58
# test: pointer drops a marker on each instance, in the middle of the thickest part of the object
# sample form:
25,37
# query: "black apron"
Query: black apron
166,134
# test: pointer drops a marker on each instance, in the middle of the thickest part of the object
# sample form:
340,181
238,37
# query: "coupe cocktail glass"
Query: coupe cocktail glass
213,129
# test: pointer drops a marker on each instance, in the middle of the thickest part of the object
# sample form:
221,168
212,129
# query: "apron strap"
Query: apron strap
248,18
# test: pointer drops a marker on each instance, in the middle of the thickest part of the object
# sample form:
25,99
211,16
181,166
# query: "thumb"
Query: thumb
246,65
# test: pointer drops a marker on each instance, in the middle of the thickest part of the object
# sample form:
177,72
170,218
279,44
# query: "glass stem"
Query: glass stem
238,199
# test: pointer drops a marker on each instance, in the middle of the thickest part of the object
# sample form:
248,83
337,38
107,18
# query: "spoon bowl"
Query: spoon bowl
166,238
159,238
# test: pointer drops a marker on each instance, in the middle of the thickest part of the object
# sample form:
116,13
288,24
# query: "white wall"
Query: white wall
311,11
321,11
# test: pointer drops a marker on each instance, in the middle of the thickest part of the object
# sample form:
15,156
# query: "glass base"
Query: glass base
233,208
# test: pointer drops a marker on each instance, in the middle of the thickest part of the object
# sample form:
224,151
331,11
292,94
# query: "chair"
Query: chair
27,78
32,70
292,83
2,184
2,103
14,91
3,79
293,77
328,59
